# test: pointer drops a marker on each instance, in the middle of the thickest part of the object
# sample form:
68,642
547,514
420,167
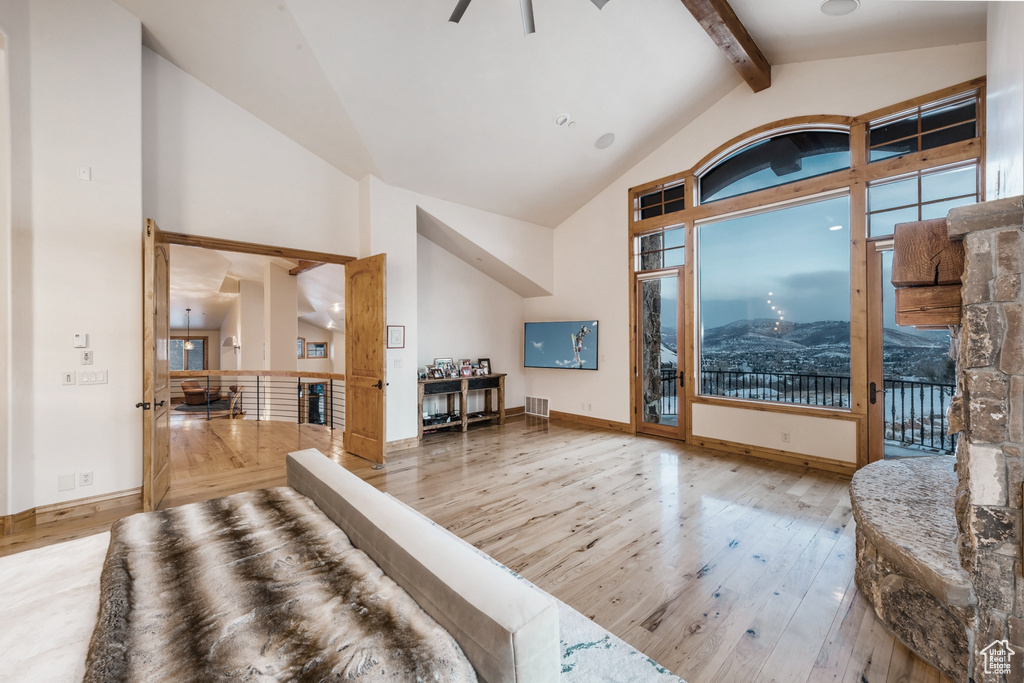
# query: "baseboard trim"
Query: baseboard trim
402,444
586,421
799,459
71,509
512,412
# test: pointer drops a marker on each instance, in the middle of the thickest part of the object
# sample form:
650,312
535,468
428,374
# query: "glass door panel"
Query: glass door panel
660,365
917,376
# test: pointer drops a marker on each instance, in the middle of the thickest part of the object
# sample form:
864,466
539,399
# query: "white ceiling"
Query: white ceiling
205,281
465,112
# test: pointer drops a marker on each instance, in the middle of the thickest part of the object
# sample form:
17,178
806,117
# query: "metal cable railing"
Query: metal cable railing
303,398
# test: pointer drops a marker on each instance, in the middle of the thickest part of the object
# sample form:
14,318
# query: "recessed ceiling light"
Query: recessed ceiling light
605,141
836,227
562,119
837,8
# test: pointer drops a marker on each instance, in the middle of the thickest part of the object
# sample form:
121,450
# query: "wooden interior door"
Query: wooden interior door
365,360
156,390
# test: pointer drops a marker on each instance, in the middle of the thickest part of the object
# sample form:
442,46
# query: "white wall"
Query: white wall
15,225
1004,173
280,324
76,101
210,168
312,333
250,325
592,274
230,357
388,224
390,227
5,275
465,314
338,352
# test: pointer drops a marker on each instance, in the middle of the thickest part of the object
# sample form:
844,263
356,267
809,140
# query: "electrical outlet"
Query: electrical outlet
86,357
67,378
85,479
785,437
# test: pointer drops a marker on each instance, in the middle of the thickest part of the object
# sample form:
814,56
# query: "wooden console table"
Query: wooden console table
461,386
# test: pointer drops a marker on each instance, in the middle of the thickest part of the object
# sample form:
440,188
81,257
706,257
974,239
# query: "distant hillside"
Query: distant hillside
769,332
768,345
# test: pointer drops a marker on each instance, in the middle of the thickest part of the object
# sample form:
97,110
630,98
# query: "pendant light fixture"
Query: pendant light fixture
188,330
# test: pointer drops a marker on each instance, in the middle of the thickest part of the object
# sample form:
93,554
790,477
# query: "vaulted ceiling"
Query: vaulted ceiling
466,112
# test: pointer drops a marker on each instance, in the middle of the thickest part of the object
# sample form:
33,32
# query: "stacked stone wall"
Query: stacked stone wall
989,409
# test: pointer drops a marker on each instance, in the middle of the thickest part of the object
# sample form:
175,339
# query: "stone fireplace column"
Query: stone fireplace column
989,412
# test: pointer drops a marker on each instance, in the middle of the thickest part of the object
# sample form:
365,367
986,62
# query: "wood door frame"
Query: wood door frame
216,243
680,431
875,325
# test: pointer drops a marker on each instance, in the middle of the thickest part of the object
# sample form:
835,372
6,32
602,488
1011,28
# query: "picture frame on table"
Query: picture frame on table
467,371
485,365
446,365
396,336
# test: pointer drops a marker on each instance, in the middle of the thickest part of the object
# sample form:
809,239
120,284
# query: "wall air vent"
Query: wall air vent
536,406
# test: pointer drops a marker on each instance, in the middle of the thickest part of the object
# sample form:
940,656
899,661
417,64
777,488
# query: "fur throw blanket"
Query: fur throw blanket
259,586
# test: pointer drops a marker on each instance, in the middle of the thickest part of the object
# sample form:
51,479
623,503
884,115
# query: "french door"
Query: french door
660,362
911,378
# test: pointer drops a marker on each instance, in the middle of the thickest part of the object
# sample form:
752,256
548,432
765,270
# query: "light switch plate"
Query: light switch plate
81,340
65,482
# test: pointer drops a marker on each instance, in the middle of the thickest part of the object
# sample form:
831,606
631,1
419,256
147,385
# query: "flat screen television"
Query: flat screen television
570,345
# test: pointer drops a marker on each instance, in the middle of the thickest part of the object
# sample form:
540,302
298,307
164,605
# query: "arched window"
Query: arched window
776,160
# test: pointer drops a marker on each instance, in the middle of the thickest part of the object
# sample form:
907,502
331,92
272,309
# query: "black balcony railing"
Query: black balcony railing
915,412
787,387
915,415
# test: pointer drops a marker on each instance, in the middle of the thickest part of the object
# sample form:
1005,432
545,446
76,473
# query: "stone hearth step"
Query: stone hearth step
908,566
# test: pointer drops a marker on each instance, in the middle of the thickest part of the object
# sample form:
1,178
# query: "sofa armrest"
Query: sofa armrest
507,629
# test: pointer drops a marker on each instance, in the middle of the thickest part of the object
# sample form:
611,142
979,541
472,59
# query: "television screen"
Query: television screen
570,345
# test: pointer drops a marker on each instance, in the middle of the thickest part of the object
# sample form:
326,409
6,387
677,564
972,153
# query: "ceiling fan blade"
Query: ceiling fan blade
600,3
528,25
460,9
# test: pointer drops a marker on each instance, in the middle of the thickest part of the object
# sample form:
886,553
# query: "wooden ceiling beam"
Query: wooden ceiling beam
304,266
721,23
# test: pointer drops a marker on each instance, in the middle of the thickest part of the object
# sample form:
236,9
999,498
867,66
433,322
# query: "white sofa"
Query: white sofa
506,627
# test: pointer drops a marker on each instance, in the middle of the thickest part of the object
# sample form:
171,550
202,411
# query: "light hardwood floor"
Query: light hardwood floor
719,567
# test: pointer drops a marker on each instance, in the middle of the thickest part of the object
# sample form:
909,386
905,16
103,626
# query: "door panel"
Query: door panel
156,391
660,366
910,375
365,395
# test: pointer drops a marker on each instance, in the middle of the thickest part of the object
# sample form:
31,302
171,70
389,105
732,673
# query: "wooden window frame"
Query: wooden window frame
855,181
206,348
327,350
301,350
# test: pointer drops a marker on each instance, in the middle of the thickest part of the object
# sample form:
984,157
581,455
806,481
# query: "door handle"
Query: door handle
142,404
682,379
160,403
873,392
379,384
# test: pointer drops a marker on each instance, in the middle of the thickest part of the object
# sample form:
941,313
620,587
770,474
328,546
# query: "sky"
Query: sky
790,258
549,345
